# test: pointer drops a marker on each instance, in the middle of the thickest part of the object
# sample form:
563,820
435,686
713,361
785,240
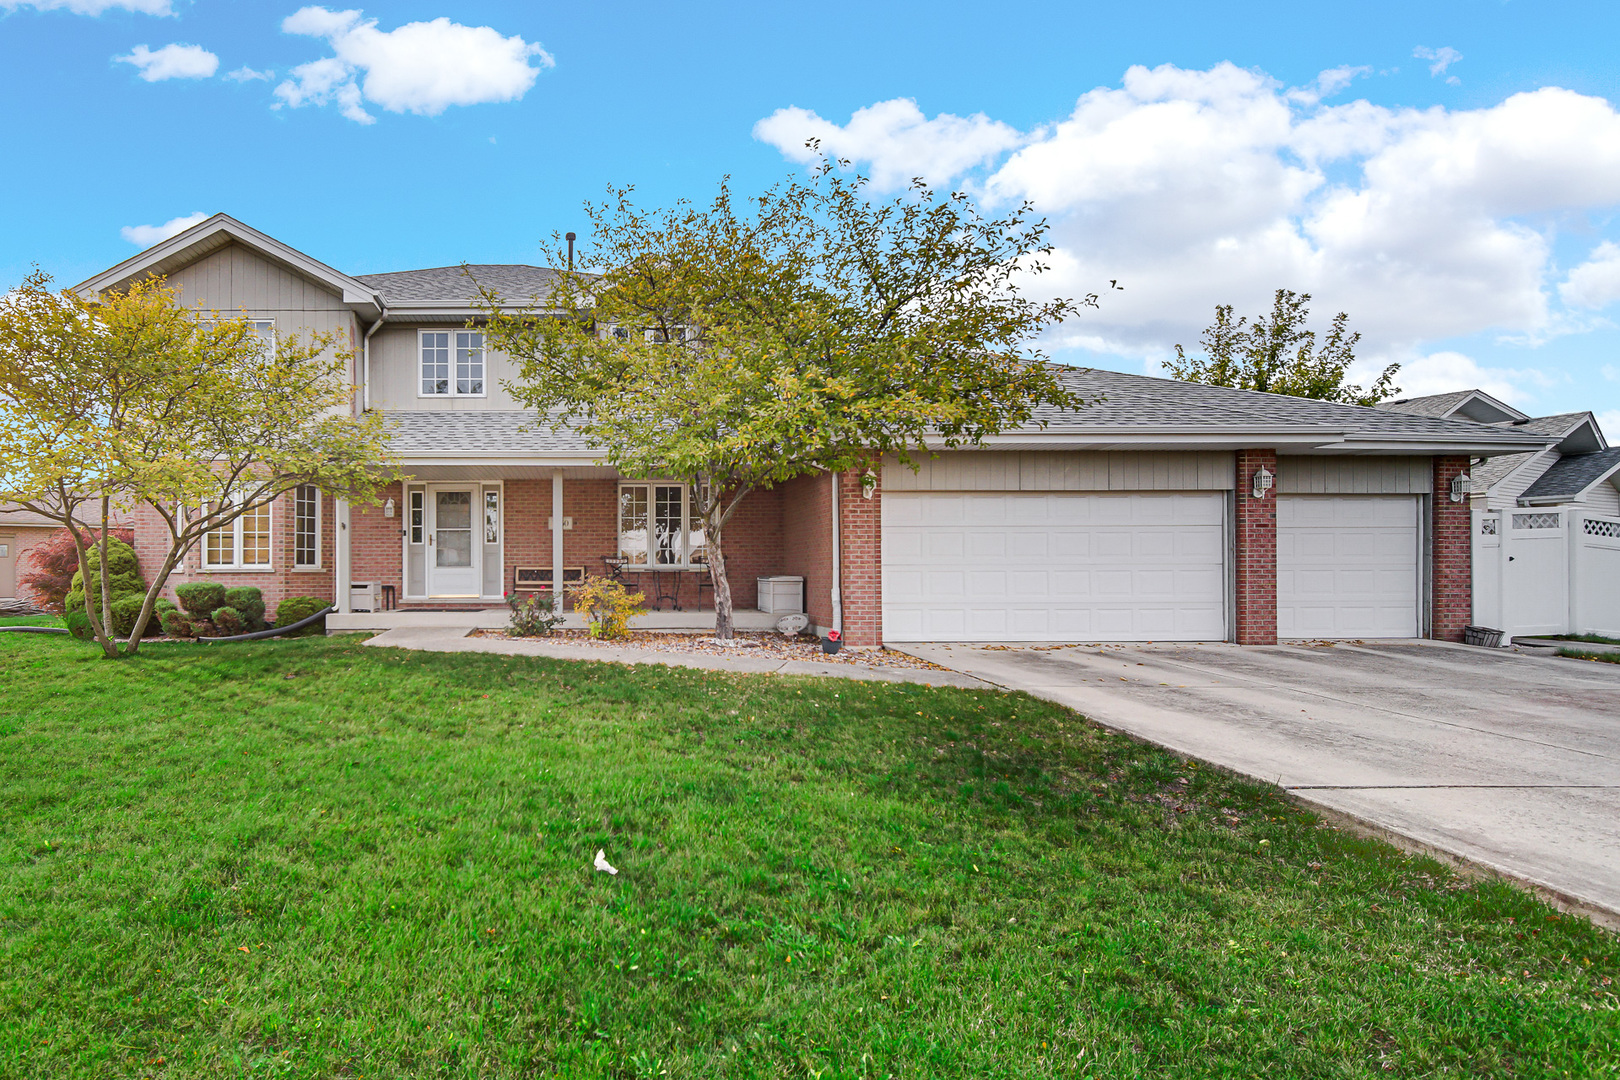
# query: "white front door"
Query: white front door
1053,566
1347,566
453,542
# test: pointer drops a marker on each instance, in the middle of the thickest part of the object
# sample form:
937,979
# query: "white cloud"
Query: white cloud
421,67
1444,372
146,235
895,137
1196,188
1609,423
1443,58
247,74
172,62
1596,282
92,7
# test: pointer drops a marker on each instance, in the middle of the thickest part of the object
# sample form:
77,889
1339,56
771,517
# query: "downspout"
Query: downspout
365,357
837,561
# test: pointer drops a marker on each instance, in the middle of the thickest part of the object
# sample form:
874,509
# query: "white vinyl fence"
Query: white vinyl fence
1546,570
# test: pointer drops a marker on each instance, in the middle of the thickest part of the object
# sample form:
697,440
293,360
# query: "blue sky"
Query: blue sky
1452,187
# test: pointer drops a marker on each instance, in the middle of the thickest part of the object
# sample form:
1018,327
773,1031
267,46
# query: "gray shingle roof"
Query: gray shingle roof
1490,472
1118,399
1558,424
1436,405
450,284
1572,475
426,433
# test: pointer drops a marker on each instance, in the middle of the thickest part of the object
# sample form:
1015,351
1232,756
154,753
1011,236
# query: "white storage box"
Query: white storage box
363,596
781,595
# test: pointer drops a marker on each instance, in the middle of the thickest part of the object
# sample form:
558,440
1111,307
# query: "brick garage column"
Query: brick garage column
862,558
1256,555
1451,536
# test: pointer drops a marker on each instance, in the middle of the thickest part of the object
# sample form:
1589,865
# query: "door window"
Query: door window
453,521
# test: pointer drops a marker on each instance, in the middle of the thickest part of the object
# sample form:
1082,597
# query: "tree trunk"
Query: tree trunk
108,644
176,550
96,625
722,586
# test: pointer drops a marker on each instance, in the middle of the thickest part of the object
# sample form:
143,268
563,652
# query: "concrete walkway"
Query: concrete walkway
457,640
1505,760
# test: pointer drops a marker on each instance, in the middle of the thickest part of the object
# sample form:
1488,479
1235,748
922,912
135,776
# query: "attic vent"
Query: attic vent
1535,521
1597,527
1520,423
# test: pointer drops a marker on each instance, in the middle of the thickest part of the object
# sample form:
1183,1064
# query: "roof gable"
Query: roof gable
1475,405
1572,477
217,233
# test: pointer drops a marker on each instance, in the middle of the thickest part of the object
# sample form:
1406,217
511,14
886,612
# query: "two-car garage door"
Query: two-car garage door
1141,566
1044,566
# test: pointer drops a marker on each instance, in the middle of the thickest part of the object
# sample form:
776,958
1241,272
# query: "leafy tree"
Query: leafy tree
743,343
130,398
1279,356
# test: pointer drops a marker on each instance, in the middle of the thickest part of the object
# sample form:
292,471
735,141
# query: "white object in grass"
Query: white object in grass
602,863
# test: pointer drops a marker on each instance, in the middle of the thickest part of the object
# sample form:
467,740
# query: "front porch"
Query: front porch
495,618
446,546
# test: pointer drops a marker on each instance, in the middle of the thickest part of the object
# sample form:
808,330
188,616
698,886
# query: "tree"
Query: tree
738,345
1279,356
54,562
131,398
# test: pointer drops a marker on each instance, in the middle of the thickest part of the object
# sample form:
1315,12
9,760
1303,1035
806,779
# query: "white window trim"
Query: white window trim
320,548
406,543
686,562
452,393
238,567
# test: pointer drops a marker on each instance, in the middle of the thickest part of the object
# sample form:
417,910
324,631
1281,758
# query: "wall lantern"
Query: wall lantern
868,483
1461,485
388,508
1263,479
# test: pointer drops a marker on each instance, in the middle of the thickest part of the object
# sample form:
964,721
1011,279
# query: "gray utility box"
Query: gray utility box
363,596
781,595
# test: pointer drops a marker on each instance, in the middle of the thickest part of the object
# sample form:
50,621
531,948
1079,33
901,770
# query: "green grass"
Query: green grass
1599,657
314,859
1594,639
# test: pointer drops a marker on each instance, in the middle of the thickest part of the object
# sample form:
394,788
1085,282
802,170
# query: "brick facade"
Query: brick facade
807,542
277,581
862,536
1255,532
1451,532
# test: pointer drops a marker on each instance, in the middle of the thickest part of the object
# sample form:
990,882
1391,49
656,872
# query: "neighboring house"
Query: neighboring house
1546,530
1161,511
20,531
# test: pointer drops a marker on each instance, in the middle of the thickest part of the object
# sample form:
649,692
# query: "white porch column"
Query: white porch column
342,566
557,538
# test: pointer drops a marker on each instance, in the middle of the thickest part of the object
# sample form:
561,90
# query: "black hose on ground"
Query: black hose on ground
33,629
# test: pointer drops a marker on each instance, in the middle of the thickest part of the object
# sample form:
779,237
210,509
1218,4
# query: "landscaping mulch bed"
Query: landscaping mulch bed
758,644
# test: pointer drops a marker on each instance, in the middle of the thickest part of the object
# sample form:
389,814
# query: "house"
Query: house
1546,529
20,531
1161,510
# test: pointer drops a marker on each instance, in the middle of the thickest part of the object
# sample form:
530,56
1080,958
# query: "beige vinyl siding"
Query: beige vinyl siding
1507,491
1046,470
396,374
1335,475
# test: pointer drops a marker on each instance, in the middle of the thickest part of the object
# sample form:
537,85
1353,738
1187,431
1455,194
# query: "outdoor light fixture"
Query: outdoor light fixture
1263,479
388,508
1461,485
868,483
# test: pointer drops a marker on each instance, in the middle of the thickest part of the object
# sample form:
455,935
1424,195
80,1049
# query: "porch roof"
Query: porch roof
484,434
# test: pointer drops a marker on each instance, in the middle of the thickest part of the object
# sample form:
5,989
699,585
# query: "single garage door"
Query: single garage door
1053,566
1347,566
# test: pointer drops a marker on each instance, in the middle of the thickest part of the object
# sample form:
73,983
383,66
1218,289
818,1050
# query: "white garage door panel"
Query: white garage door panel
1053,566
1347,566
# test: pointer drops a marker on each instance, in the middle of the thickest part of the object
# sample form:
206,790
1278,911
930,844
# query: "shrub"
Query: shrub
534,615
199,598
177,625
297,608
125,610
608,607
78,624
54,562
229,621
250,602
119,585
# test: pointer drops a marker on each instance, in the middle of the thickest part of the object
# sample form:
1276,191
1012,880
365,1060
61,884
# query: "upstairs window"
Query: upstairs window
452,363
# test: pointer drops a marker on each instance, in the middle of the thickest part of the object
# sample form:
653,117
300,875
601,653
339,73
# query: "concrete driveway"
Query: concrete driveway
1504,759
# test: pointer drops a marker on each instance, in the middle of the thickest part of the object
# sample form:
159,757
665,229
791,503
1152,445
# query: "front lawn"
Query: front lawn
311,858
